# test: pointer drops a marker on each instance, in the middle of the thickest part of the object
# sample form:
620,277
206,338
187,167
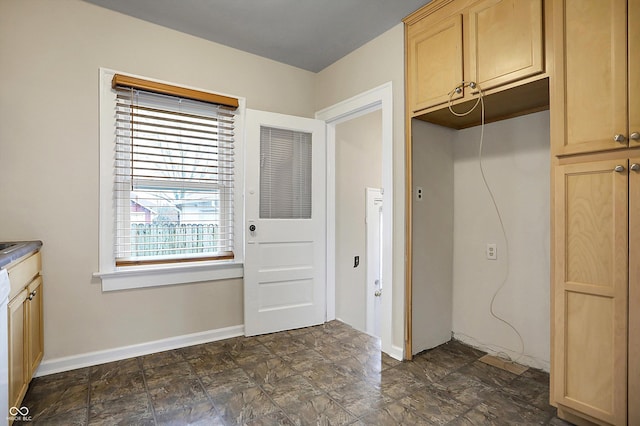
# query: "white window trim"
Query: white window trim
122,278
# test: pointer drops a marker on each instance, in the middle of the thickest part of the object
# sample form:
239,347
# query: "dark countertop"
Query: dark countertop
21,248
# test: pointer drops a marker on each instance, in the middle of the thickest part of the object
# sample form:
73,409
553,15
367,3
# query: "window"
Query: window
285,174
174,162
172,154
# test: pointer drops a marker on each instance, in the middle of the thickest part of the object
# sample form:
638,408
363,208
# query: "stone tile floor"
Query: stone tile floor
324,375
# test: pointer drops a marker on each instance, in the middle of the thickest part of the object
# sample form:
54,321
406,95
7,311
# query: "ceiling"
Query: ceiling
308,34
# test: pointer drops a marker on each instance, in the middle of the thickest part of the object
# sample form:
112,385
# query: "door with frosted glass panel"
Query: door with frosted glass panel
285,247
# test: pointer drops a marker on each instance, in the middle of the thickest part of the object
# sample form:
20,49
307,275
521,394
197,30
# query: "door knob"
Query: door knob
619,138
252,228
635,136
635,167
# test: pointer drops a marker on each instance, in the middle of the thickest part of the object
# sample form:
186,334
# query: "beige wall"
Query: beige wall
50,54
379,61
516,162
432,266
453,282
358,166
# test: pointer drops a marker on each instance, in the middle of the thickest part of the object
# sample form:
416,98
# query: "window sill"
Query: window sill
154,276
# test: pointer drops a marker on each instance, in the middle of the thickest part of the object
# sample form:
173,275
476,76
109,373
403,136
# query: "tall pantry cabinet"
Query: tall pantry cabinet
595,136
588,52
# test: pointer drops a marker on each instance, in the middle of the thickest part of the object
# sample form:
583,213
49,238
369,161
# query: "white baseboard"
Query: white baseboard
396,352
57,365
524,359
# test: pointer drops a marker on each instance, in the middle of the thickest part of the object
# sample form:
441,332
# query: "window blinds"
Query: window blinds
174,178
285,174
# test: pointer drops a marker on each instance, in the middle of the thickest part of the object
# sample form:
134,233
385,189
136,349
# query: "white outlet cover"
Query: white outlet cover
492,251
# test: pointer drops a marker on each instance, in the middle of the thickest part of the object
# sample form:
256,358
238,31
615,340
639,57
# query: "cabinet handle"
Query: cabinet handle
635,167
32,294
619,138
635,136
618,169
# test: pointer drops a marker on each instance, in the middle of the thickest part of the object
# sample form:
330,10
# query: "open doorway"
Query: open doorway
379,98
358,165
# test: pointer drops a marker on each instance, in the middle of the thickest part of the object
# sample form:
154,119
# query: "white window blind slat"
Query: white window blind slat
174,174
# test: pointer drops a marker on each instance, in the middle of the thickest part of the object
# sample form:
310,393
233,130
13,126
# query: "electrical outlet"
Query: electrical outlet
419,192
492,251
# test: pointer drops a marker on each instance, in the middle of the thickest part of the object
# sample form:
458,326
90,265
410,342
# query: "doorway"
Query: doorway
378,98
284,269
358,164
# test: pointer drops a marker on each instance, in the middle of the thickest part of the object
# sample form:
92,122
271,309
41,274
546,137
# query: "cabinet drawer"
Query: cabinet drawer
23,273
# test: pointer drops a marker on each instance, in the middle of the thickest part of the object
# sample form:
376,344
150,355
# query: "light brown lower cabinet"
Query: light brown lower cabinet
35,345
596,348
17,365
26,341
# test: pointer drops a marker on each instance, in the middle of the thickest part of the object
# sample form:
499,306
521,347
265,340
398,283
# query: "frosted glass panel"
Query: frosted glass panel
285,174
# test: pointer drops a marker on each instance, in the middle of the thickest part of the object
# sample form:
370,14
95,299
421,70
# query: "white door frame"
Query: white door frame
374,258
379,98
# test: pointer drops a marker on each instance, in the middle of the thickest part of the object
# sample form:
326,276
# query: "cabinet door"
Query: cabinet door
591,282
505,41
17,364
434,60
634,70
634,293
594,53
35,347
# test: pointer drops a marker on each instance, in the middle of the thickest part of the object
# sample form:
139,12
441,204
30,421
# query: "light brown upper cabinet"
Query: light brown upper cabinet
498,44
598,70
505,41
435,60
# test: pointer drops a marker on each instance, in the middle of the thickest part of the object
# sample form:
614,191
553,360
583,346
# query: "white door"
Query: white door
285,254
374,259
